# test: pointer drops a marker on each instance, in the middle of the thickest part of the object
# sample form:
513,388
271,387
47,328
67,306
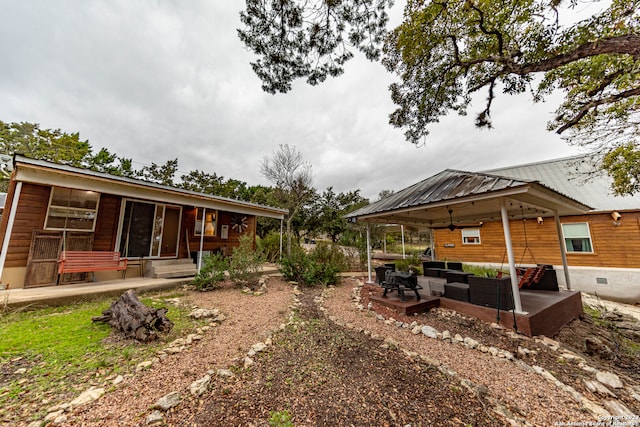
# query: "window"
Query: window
471,236
577,237
210,222
71,209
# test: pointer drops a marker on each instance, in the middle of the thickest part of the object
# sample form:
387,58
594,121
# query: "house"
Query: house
52,207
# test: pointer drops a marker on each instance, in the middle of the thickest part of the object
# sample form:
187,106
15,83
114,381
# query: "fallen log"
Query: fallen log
134,319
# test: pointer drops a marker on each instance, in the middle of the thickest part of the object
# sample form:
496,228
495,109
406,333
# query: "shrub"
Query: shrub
211,273
245,263
321,266
412,263
269,246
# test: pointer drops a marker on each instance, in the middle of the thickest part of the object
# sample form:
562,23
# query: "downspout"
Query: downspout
563,251
368,253
9,229
204,211
512,266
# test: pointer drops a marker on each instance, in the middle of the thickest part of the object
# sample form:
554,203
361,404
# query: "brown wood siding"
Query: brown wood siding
211,243
613,246
107,223
30,215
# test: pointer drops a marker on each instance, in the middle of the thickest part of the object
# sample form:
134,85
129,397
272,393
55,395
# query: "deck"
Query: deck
546,311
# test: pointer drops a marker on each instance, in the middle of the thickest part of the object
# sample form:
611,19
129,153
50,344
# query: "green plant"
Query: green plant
269,246
211,273
280,419
480,271
412,263
245,262
320,266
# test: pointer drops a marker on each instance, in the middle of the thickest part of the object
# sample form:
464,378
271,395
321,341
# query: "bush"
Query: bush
321,266
412,263
245,263
211,273
269,246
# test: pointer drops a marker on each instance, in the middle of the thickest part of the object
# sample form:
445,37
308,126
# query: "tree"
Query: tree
446,51
105,162
293,181
43,144
160,174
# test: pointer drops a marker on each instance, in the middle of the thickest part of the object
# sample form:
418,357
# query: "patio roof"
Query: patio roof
472,197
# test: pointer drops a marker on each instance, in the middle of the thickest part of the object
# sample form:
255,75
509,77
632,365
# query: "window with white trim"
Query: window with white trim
71,209
471,236
577,237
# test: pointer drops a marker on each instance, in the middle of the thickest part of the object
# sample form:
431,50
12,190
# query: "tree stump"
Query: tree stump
134,319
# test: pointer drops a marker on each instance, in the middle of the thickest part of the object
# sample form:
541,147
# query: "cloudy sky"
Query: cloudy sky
154,80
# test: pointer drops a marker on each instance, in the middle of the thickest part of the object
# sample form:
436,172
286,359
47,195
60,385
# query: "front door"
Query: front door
42,264
149,230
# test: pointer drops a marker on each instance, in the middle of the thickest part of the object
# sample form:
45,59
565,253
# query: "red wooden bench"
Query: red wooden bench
90,261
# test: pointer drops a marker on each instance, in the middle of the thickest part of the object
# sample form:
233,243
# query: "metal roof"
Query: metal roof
578,177
471,196
44,172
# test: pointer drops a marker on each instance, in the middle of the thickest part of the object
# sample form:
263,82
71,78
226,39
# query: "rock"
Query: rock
143,365
168,401
53,415
37,423
203,313
496,326
87,396
257,348
248,362
597,387
199,386
155,417
609,379
429,331
493,351
617,409
391,343
574,358
446,335
458,338
225,373
60,419
20,371
173,350
470,342
117,380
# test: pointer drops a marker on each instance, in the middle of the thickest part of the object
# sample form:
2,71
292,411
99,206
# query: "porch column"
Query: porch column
512,266
431,242
281,228
563,251
368,253
204,211
7,232
403,253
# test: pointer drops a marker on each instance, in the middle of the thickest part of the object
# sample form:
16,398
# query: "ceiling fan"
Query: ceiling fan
453,226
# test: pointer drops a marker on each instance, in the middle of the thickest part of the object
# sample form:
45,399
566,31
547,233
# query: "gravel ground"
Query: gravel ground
337,372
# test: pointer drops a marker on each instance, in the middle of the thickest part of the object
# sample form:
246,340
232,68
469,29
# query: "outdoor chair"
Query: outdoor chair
401,282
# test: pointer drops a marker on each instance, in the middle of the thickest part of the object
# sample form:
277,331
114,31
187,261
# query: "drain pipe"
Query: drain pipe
9,229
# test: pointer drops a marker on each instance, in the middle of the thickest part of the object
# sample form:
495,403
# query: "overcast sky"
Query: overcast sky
155,80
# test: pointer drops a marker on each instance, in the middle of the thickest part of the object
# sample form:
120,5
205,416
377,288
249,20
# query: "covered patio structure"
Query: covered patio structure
453,197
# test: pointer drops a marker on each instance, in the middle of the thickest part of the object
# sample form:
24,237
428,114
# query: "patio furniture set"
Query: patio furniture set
446,279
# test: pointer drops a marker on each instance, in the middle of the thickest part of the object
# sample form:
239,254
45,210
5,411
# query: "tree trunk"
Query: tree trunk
134,319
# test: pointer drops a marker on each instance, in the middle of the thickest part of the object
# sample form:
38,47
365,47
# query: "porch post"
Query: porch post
368,253
402,230
512,266
281,228
563,251
204,211
433,249
7,232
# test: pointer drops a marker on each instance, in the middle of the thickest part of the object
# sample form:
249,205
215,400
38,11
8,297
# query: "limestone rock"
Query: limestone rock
225,373
155,417
117,380
597,387
204,313
248,362
609,379
470,342
168,401
87,396
618,409
257,348
143,365
199,386
429,331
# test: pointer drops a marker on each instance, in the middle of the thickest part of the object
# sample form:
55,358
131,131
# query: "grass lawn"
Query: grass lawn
50,355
